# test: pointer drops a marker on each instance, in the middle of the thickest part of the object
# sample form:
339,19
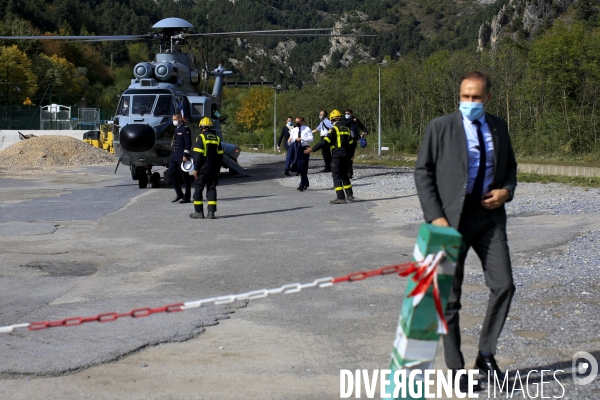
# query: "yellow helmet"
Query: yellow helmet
335,114
205,122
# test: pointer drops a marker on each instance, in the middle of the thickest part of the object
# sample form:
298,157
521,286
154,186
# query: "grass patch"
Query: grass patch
567,180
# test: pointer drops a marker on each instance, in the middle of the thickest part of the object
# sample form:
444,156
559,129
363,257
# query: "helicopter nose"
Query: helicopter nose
137,138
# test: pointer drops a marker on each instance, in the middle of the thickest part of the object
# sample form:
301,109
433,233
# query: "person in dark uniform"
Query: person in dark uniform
285,137
285,134
207,156
182,143
357,130
340,142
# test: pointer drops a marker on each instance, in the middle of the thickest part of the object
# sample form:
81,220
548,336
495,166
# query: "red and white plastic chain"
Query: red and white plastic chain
425,272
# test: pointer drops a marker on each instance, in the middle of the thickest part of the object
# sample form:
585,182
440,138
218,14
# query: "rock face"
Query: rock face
347,46
528,15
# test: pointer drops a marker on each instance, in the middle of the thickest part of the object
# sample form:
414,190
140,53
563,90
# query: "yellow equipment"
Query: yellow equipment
335,114
106,137
205,122
93,138
102,139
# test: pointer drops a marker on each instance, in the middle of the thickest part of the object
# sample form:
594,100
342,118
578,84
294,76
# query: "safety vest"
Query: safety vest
343,138
208,139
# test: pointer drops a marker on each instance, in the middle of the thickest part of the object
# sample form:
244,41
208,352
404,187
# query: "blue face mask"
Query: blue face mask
290,123
471,110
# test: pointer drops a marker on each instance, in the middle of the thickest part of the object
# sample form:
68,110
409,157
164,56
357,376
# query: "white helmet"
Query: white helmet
187,166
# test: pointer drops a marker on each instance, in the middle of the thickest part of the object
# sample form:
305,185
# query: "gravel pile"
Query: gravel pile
52,151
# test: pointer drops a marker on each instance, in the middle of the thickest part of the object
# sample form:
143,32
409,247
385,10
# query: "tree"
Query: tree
19,80
253,113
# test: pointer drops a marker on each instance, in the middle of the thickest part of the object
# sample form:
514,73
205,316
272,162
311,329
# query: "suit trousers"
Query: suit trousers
326,151
352,151
302,164
175,168
490,243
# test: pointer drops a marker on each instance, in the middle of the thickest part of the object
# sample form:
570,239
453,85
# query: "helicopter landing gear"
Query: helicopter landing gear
144,176
155,180
136,172
143,181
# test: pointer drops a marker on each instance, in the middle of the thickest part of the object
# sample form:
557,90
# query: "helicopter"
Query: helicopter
142,128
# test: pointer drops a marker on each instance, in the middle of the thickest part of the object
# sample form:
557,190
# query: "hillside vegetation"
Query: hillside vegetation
545,81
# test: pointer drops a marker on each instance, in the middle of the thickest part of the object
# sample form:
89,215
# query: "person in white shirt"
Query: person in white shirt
300,139
323,129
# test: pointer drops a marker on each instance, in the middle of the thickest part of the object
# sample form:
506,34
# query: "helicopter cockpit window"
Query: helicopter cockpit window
124,106
143,104
163,106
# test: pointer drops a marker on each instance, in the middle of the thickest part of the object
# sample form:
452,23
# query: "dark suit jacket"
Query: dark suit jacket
441,172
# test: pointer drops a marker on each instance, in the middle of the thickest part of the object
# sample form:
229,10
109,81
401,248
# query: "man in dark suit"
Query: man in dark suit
182,143
465,172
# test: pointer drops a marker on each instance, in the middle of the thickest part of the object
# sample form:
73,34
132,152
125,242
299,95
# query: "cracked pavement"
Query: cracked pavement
86,241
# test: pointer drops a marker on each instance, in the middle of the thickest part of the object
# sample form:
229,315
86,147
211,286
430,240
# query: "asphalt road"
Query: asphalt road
89,242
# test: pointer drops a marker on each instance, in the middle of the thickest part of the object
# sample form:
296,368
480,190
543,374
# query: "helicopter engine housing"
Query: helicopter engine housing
143,70
165,71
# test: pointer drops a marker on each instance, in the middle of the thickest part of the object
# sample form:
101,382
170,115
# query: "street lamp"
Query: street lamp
384,63
278,87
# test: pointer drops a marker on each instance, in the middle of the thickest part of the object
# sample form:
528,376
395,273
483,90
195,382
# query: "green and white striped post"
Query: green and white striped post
417,335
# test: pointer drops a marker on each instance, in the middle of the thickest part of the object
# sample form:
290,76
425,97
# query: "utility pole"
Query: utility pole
277,87
384,63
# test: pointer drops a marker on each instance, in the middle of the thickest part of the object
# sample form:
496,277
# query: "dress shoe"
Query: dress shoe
464,382
184,201
300,188
487,365
197,215
306,187
211,215
338,201
350,198
176,199
287,173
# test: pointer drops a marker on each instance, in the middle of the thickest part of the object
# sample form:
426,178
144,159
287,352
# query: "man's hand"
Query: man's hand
495,199
195,174
278,149
442,221
363,134
298,139
185,158
308,151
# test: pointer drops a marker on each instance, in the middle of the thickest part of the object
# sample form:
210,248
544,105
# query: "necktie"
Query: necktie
478,187
299,132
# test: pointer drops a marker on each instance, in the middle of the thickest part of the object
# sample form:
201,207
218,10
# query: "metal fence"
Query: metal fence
16,117
19,117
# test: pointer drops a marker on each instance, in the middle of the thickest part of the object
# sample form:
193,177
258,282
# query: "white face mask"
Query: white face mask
175,122
320,117
348,116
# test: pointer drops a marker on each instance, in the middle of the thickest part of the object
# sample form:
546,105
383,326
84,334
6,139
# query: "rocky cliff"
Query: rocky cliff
520,17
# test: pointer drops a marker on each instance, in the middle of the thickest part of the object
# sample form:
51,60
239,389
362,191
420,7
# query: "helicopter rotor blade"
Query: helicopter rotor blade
78,38
263,31
283,34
